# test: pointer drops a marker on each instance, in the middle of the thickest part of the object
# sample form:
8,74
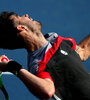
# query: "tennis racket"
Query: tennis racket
3,92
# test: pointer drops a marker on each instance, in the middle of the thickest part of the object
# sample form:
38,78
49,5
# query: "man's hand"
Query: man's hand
84,48
9,65
3,63
83,53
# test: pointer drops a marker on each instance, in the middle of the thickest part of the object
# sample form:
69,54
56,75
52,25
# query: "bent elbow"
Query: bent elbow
46,95
50,93
50,90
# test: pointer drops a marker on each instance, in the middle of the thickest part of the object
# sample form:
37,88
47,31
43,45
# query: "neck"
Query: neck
34,42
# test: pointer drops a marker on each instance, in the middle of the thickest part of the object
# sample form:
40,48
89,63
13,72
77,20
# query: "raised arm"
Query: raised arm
42,88
84,48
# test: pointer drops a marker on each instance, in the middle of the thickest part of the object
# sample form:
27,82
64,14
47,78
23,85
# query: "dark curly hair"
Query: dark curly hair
8,32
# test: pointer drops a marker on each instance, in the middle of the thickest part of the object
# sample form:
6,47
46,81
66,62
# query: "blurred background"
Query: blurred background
68,18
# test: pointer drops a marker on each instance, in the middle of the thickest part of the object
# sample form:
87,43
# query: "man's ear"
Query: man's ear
21,27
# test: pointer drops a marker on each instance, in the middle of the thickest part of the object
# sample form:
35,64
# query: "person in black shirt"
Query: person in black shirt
60,74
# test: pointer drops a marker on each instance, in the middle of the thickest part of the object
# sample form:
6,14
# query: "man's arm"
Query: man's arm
42,88
84,48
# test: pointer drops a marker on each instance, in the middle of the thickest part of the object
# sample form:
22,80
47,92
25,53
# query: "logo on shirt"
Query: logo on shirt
63,52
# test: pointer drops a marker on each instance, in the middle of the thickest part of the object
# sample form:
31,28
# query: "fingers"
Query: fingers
4,58
3,63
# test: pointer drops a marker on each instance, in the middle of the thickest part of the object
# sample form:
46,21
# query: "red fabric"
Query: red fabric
44,75
73,41
49,54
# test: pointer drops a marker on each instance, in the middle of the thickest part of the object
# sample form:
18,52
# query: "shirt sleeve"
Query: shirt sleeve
44,75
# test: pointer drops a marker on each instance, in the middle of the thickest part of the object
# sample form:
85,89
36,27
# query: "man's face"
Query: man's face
27,21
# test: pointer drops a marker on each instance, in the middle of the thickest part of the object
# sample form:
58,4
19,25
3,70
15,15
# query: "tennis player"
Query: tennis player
54,68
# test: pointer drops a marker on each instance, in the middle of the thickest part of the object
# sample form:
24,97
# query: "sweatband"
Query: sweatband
14,67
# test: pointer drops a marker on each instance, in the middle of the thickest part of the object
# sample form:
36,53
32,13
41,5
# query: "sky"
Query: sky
68,18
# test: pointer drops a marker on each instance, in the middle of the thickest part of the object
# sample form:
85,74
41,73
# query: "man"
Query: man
55,69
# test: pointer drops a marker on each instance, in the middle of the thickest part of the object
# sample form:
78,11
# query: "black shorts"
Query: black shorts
71,79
